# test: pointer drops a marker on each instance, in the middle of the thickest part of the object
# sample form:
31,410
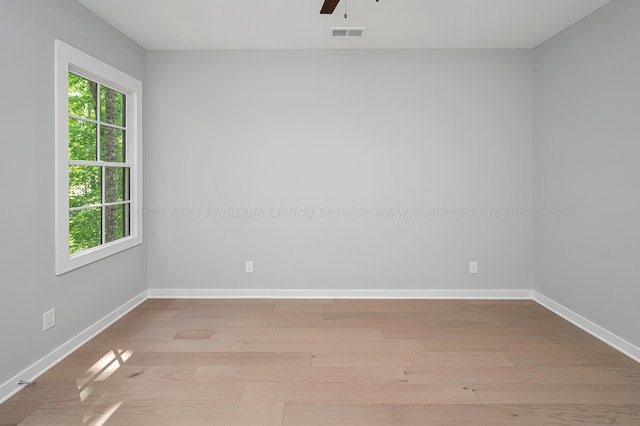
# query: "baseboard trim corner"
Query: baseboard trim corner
590,327
11,387
159,293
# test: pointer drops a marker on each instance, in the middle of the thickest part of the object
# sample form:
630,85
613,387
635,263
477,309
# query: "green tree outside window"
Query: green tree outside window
99,194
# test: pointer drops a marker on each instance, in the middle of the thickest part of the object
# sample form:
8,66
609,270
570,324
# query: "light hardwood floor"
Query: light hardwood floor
335,363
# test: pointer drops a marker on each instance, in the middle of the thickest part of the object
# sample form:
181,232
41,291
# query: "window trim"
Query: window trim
69,59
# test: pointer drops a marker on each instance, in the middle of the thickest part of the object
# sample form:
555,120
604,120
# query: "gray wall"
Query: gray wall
307,130
29,286
587,151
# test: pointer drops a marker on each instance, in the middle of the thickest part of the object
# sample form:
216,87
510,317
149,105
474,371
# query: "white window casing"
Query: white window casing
69,59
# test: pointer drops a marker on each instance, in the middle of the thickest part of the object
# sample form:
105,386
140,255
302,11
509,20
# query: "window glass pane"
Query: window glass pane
83,95
85,229
117,220
116,184
82,140
112,106
85,186
112,144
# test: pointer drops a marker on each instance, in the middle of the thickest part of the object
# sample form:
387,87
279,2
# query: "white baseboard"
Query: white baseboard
10,387
590,327
159,293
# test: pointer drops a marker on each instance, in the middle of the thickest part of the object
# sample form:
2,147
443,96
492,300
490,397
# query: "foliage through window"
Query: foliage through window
99,196
99,162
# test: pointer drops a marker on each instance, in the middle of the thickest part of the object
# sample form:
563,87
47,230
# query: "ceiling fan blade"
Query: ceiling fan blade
329,6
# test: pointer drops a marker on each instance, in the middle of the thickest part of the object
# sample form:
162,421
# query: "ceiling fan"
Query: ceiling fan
329,6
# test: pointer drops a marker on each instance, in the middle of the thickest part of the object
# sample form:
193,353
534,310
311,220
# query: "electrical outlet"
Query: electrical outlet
248,266
473,267
48,319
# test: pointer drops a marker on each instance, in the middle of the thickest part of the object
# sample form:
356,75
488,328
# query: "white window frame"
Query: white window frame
69,59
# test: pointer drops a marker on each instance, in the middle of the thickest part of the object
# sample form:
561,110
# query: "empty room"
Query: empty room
320,212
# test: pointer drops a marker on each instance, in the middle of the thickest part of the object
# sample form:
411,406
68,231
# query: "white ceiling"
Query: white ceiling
297,24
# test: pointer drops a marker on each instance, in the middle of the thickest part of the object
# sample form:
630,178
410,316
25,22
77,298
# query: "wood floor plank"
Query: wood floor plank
238,346
499,302
481,342
385,321
567,375
261,359
379,320
303,302
301,320
73,366
568,415
411,359
302,305
194,334
360,375
14,411
227,311
556,393
258,333
301,334
187,304
298,414
123,374
133,391
143,325
569,359
357,393
152,413
154,375
393,306
581,342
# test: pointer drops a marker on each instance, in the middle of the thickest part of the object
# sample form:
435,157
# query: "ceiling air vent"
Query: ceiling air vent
347,32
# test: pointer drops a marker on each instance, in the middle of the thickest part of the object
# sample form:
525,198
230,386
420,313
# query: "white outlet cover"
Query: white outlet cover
48,319
248,266
473,267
